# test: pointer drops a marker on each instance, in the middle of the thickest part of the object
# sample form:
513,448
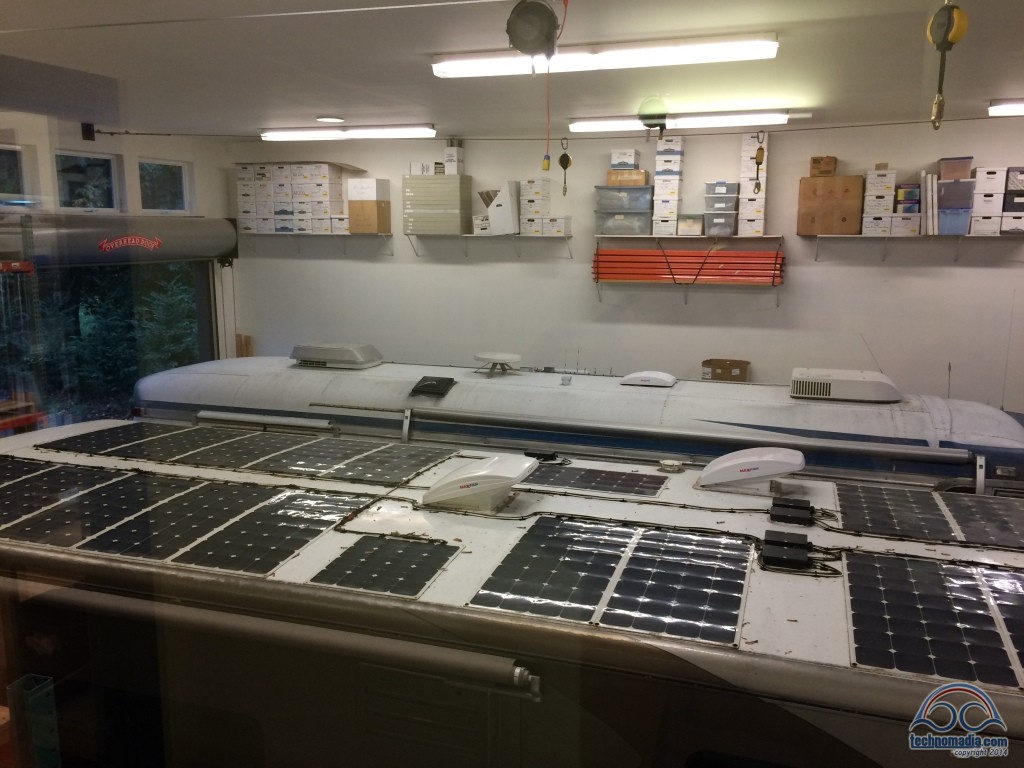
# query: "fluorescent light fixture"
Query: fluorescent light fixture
1006,108
723,120
590,58
329,119
337,134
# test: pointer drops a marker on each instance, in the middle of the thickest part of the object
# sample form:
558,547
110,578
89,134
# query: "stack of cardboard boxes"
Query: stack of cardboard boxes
369,206
668,178
625,205
752,194
287,198
879,202
998,201
829,204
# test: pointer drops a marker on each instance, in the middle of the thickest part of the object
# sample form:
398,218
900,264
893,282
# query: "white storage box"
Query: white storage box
668,165
321,226
748,182
326,191
245,190
986,225
878,204
281,173
670,144
281,191
989,180
245,172
1012,224
265,225
453,161
876,226
531,189
666,209
319,209
879,182
246,224
423,168
625,159
302,208
263,172
666,188
340,225
750,227
283,208
752,207
284,224
534,206
264,209
247,209
663,227
905,225
988,204
369,189
531,225
324,173
748,165
558,226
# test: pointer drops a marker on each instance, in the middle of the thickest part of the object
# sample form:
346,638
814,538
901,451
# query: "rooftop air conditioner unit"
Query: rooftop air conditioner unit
839,384
329,354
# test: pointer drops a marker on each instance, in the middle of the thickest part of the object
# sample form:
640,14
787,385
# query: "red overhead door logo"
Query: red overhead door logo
149,243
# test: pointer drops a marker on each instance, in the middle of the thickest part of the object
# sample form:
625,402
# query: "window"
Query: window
164,185
12,184
86,182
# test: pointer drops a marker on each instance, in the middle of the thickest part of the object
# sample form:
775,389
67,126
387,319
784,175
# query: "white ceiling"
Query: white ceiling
236,67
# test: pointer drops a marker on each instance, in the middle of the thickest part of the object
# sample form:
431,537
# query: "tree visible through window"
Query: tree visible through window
11,184
163,186
85,181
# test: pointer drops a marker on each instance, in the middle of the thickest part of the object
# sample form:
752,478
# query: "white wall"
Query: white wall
941,316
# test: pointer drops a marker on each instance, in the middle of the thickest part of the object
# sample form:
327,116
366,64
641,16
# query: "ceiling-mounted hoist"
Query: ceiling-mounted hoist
946,28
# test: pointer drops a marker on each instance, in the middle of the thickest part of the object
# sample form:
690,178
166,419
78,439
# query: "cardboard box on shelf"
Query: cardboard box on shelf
985,225
753,227
823,165
876,225
557,226
626,159
369,216
989,179
626,178
453,161
988,203
723,369
690,224
1012,224
830,205
340,225
905,225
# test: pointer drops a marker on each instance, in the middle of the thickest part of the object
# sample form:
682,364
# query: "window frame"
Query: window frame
24,193
187,186
116,182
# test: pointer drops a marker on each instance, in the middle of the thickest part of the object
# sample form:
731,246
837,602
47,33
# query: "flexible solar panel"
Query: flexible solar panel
987,519
27,496
247,449
390,465
925,617
102,440
682,584
264,538
1007,588
162,531
316,458
893,512
559,568
600,480
15,469
93,511
387,564
170,446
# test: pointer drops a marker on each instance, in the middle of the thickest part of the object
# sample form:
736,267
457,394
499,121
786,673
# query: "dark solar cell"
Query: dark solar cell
893,512
317,457
170,446
102,440
1007,589
387,564
264,538
604,481
248,449
925,617
93,511
163,531
988,520
15,469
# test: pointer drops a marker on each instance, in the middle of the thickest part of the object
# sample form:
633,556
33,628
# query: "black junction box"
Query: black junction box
787,539
790,515
785,557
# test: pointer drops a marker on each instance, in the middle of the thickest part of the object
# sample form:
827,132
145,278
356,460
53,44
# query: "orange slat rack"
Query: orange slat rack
706,267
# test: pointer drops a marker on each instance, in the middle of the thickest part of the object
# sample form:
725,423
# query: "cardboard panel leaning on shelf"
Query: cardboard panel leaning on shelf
830,205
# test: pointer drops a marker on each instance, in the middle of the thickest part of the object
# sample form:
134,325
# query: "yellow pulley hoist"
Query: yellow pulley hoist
946,28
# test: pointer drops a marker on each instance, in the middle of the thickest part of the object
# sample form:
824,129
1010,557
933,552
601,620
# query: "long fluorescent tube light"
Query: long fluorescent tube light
337,134
589,58
723,120
1006,108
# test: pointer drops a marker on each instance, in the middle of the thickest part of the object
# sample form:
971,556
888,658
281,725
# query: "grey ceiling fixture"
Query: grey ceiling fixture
532,28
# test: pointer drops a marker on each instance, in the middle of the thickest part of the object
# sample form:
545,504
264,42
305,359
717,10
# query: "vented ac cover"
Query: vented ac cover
330,354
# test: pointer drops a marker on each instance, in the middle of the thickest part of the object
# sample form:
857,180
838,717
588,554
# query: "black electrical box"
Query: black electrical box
785,557
787,539
790,515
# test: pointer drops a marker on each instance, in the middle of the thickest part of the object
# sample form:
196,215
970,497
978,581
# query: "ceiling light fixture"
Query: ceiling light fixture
329,119
338,134
679,122
1006,107
590,58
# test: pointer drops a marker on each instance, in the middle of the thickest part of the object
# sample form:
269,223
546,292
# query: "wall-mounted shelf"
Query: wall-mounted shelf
885,239
515,238
344,238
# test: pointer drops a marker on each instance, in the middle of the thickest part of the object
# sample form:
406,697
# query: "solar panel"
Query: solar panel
559,568
893,512
15,469
247,449
317,457
267,536
170,446
925,617
387,564
93,511
987,519
33,493
102,440
1007,589
600,480
164,530
682,584
390,465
